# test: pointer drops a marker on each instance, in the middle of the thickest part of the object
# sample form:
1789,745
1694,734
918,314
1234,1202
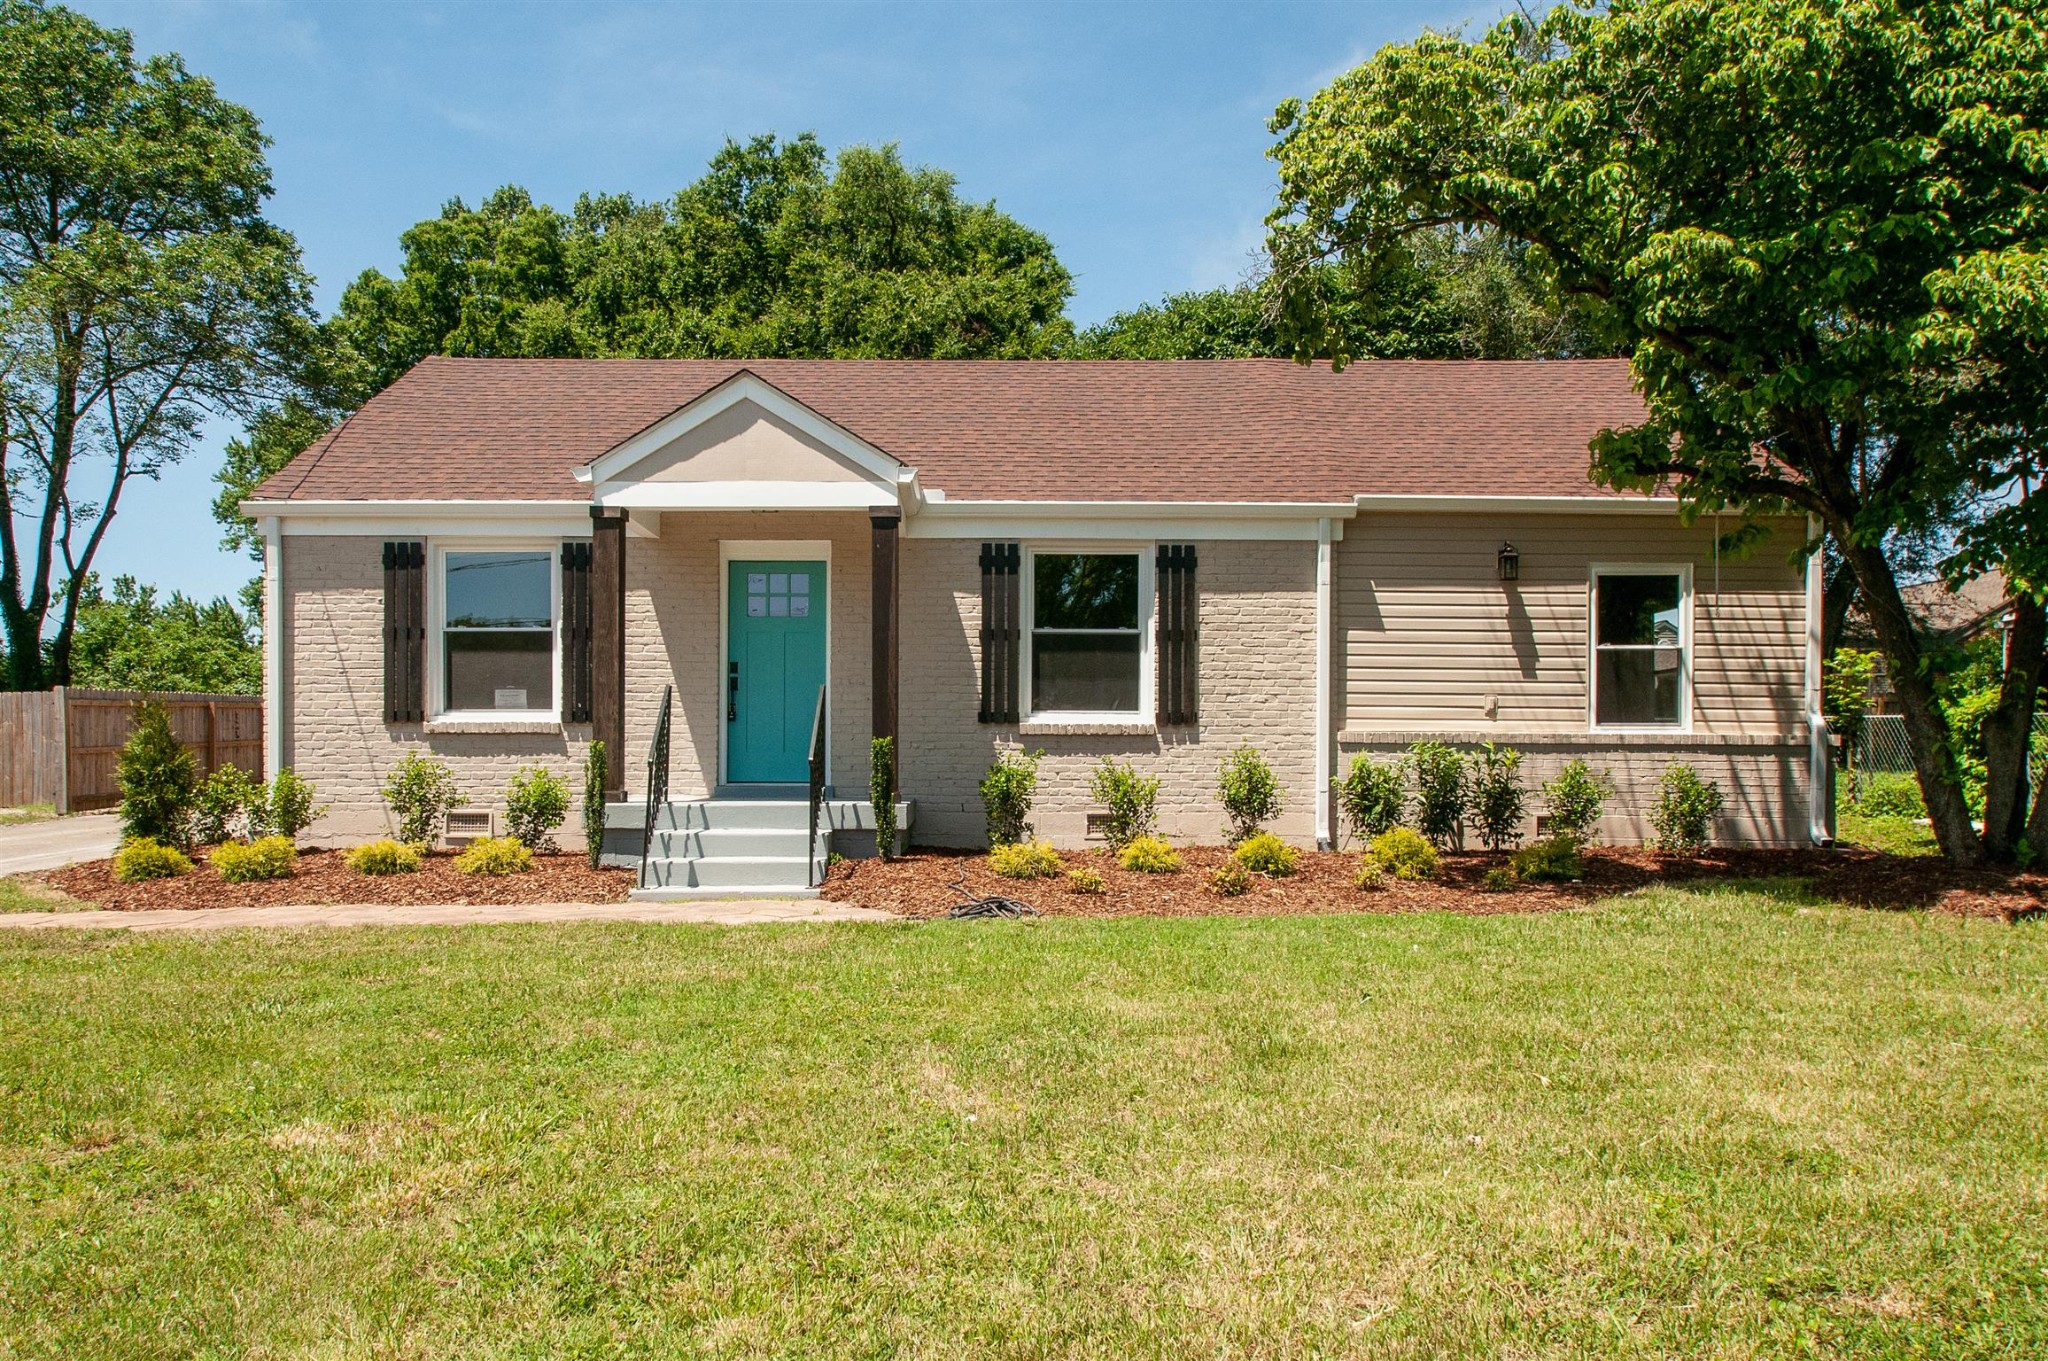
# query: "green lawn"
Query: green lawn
1728,1124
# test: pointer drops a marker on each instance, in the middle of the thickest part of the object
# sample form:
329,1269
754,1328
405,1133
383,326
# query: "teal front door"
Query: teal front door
775,662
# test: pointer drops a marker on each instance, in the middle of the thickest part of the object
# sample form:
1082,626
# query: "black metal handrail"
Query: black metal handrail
812,875
657,778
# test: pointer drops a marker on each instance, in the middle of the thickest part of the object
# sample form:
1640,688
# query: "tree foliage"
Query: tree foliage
132,641
1816,225
140,289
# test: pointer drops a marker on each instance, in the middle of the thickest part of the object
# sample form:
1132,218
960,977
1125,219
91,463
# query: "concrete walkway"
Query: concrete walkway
58,842
733,912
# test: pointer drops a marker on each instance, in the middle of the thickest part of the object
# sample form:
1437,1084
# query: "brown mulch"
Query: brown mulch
922,884
322,877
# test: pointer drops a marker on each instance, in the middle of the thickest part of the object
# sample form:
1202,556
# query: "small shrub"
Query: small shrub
1085,880
596,771
1370,876
1404,853
882,794
1845,685
1230,879
226,804
144,857
287,806
1683,815
1499,879
536,802
1498,799
421,791
1024,860
384,857
495,855
1574,801
268,857
1148,855
1267,854
1249,793
1372,795
1883,794
1553,860
1439,792
1131,800
1006,794
157,778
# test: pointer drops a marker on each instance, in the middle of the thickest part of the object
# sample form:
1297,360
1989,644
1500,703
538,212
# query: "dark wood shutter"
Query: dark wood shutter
405,632
1178,634
1000,635
576,674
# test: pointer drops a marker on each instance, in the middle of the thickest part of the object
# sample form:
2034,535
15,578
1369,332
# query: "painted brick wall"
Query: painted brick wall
1257,685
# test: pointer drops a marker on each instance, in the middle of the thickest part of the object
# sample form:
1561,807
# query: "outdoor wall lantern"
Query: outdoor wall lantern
1510,563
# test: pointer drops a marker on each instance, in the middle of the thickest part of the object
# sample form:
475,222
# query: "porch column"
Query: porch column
884,610
608,643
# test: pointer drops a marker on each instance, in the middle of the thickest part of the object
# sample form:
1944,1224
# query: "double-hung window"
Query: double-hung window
1088,640
497,649
1640,644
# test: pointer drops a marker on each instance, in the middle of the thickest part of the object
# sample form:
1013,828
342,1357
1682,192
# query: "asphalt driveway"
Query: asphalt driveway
57,842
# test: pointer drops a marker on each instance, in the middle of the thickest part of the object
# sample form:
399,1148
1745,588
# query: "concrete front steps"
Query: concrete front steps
735,846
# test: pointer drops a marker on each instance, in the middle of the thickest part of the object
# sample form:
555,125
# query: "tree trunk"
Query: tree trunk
1934,757
2009,728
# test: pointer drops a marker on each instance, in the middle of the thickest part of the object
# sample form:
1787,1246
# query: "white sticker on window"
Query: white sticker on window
757,606
757,583
800,606
778,582
799,583
509,699
778,605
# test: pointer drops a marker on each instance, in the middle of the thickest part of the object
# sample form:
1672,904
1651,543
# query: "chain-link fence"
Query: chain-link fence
1882,747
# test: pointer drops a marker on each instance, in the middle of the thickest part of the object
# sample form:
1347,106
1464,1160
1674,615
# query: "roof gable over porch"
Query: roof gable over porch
746,444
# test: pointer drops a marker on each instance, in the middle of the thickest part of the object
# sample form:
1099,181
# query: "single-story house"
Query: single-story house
711,562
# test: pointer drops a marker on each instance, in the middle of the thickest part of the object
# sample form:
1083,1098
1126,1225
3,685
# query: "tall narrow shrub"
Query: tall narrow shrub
1007,791
1131,801
1498,799
595,774
1683,815
1249,794
286,808
1574,801
1372,794
157,778
882,794
1439,793
536,802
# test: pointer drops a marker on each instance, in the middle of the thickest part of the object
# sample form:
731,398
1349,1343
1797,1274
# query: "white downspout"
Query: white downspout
1323,639
1820,759
273,647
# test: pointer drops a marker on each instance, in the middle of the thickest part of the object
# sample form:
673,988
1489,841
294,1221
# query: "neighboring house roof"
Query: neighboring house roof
1112,430
1957,616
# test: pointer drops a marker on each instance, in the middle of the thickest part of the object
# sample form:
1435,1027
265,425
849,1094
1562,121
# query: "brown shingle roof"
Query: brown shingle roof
1188,430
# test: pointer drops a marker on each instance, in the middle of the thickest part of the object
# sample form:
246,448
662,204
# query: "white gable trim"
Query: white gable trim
744,386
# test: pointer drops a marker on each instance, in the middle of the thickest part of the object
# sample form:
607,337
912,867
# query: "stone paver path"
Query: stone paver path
724,912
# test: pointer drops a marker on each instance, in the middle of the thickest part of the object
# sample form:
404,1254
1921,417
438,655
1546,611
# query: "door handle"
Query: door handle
732,692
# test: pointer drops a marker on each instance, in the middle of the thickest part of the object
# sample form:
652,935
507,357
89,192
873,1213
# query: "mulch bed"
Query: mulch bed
925,884
323,877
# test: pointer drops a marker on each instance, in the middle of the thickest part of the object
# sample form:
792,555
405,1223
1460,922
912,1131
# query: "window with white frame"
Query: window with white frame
498,631
1639,648
1087,633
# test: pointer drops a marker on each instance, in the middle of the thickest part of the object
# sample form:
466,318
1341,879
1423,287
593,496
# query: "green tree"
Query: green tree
140,288
131,641
1804,218
777,251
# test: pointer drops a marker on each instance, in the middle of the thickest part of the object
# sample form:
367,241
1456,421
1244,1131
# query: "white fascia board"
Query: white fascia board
741,387
1128,520
1524,505
745,495
567,519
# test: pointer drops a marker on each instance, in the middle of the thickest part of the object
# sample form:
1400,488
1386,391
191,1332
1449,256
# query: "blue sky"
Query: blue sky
1133,135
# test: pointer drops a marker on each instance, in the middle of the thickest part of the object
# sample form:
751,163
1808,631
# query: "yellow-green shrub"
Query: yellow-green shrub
384,857
144,857
1499,879
1025,860
1084,880
1230,879
1404,853
1267,854
241,862
1554,860
495,855
1148,855
1370,875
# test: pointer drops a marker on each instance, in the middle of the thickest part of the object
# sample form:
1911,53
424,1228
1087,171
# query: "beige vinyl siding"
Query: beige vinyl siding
1430,638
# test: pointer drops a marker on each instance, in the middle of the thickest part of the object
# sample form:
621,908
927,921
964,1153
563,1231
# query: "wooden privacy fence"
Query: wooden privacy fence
60,746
